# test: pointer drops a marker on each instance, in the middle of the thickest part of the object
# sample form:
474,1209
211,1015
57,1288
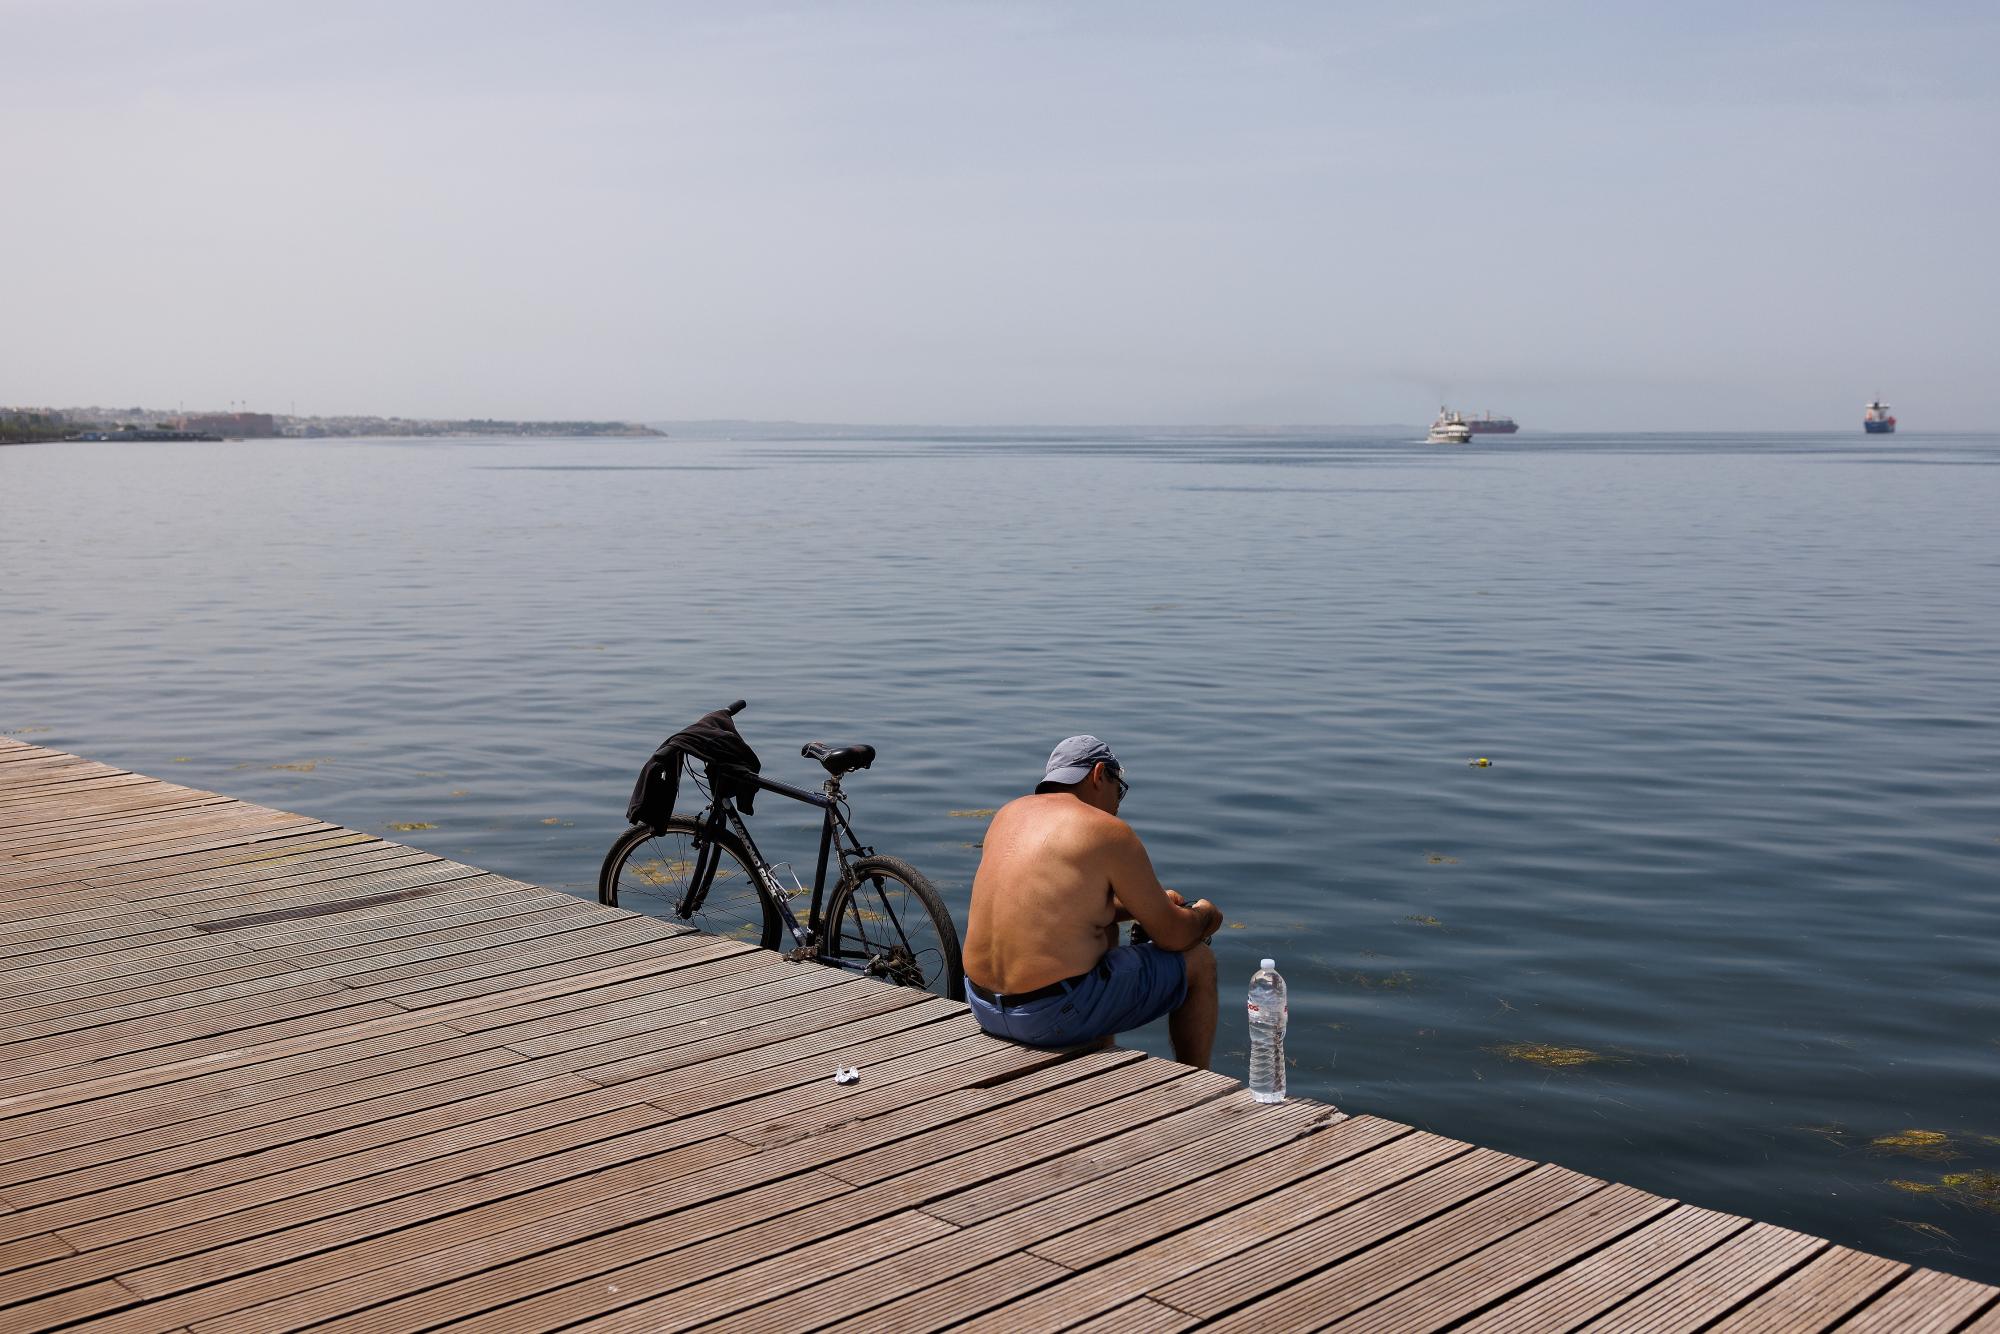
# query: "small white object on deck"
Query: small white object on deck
847,1074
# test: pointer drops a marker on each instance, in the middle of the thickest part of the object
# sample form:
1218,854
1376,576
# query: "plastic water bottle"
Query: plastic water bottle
1267,1033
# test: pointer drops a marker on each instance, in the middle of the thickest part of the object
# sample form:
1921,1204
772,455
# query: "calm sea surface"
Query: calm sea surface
1739,838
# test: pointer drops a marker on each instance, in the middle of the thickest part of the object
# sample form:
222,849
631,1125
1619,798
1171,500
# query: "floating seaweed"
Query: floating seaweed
410,826
300,767
1926,1229
1551,1056
1932,1144
983,813
1976,1190
180,759
1423,919
1439,859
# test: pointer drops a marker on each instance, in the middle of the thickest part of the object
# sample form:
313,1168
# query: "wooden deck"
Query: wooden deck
261,1072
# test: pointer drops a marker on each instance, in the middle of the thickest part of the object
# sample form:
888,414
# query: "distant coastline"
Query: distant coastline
33,425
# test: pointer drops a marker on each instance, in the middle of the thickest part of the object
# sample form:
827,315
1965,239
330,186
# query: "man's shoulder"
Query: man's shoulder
1061,811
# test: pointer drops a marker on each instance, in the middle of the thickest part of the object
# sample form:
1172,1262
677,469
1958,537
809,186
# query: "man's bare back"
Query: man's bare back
1059,871
1046,902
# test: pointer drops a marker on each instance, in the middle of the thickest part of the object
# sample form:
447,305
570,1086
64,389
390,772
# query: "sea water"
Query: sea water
1720,914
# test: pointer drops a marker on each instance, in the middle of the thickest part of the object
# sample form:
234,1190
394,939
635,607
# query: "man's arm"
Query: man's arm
1173,926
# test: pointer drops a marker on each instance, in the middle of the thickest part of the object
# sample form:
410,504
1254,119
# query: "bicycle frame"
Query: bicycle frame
722,811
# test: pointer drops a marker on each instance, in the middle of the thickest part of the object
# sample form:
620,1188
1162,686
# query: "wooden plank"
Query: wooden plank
211,1093
455,897
27,994
1692,1296
233,1170
69,828
1925,1302
1600,1281
177,889
1140,1316
82,1171
1988,1323
262,1072
309,1073
1305,1187
572,975
1303,1284
152,855
143,806
1830,1286
312,1028
1234,1161
660,1255
158,1139
733,994
819,1241
1493,1272
223,830
239,1008
909,1299
161,883
210,1263
718,1299
854,1018
273,1075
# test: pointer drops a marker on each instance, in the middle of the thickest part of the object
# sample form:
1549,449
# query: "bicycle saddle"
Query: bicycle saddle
839,759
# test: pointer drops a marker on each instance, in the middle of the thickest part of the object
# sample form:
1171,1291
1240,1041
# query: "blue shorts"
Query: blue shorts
1131,986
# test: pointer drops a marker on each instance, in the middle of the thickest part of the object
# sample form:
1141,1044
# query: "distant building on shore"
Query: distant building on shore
231,425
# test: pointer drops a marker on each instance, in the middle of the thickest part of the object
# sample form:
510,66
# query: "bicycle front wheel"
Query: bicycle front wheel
651,871
888,921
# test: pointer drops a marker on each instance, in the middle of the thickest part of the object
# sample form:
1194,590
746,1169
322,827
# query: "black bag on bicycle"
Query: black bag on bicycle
712,739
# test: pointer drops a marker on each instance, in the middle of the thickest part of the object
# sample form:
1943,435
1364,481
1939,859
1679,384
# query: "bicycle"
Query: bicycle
884,918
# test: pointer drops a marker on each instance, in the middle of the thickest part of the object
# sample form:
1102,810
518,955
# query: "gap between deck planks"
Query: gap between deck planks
261,1072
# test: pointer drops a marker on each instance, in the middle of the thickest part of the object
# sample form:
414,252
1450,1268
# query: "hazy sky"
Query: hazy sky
1594,215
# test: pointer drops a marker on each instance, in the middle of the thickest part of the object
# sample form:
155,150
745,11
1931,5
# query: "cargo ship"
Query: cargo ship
1878,420
1488,424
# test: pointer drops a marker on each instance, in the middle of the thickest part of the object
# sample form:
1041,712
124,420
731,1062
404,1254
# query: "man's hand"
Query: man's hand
1212,914
1172,922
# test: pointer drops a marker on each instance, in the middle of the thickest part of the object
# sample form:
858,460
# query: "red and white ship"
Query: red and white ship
1488,424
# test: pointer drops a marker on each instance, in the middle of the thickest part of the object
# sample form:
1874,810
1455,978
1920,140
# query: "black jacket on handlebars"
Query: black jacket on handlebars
712,739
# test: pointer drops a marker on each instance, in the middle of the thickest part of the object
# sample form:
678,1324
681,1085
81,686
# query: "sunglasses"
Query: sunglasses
1118,777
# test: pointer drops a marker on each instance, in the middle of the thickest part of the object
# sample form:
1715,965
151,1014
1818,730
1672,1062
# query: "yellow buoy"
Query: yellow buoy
1482,763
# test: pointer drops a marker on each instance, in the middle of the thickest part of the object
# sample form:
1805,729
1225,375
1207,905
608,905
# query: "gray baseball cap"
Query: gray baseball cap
1074,757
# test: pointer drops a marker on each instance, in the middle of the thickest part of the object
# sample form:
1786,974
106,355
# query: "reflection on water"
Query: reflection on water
1718,919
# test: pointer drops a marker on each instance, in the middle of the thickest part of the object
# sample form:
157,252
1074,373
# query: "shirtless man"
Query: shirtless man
1060,870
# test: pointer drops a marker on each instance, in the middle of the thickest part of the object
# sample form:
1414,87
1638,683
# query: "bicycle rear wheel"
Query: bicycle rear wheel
651,870
887,920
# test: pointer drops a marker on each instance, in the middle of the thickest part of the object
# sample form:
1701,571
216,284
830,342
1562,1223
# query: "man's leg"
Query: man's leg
1192,1026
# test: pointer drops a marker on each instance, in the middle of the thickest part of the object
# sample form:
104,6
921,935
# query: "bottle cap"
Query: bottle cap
1267,963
